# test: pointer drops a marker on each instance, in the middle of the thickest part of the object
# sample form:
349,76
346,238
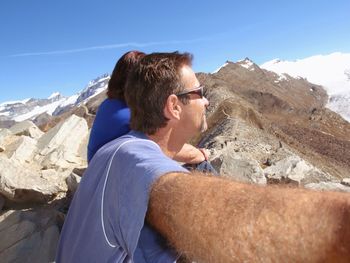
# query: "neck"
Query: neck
168,141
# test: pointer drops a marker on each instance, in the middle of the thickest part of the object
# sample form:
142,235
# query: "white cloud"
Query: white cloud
112,46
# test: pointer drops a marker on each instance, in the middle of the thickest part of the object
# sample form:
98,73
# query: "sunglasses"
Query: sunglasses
198,91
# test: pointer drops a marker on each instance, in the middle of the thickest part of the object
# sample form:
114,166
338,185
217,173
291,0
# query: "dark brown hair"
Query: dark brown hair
156,77
122,69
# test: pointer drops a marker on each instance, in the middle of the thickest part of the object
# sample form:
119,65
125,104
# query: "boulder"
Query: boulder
4,133
22,149
29,235
328,186
294,170
345,181
243,170
26,128
18,183
60,147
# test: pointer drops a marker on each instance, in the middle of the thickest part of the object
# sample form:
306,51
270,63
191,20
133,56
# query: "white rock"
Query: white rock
60,146
27,128
19,184
4,133
22,150
345,181
295,170
243,170
328,186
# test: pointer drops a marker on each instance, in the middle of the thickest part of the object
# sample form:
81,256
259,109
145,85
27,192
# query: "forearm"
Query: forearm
217,220
189,154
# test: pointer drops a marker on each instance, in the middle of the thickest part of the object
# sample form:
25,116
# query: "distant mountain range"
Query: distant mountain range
53,105
330,71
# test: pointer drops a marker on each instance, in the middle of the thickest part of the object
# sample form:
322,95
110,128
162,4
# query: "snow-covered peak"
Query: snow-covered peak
331,71
246,63
54,95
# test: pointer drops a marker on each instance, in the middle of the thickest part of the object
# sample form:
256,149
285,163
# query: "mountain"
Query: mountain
330,71
267,125
56,104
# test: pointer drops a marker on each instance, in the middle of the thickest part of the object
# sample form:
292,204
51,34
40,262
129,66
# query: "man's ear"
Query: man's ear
172,109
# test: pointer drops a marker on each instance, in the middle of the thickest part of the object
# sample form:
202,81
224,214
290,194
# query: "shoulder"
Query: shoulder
113,110
145,154
112,104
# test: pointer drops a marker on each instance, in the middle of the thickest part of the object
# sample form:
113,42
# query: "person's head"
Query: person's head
156,92
122,69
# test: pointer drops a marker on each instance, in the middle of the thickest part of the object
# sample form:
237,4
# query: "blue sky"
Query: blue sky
48,46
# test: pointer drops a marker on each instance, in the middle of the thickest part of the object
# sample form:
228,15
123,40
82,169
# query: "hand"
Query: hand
205,153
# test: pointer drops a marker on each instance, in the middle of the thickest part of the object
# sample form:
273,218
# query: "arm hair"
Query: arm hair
212,219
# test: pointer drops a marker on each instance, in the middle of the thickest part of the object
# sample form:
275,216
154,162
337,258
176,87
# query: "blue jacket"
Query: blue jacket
112,121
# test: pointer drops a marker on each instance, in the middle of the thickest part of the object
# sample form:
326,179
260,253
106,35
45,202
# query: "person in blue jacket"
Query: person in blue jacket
113,117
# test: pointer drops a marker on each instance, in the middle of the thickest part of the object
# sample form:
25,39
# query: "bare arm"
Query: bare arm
212,219
191,155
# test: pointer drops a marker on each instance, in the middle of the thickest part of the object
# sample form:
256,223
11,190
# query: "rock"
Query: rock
22,149
60,146
3,134
2,202
345,181
29,235
26,128
72,181
19,184
79,171
328,186
242,170
294,170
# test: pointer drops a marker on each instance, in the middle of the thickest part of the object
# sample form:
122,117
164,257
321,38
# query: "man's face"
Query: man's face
194,119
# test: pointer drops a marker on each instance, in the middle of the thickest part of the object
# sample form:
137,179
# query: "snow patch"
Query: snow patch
49,108
53,95
246,63
217,70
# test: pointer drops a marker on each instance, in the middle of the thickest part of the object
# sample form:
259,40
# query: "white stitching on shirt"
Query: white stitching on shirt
104,185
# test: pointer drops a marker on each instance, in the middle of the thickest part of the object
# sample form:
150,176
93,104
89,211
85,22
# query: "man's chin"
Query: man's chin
204,126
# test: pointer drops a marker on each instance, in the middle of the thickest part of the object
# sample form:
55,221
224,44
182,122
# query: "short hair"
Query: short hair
156,77
123,67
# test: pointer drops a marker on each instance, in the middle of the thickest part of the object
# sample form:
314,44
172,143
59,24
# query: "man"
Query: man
209,219
105,222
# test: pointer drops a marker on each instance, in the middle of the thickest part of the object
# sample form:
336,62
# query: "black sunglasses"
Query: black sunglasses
198,91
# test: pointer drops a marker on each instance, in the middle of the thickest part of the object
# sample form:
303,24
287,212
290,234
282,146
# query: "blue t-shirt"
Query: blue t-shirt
105,222
111,121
